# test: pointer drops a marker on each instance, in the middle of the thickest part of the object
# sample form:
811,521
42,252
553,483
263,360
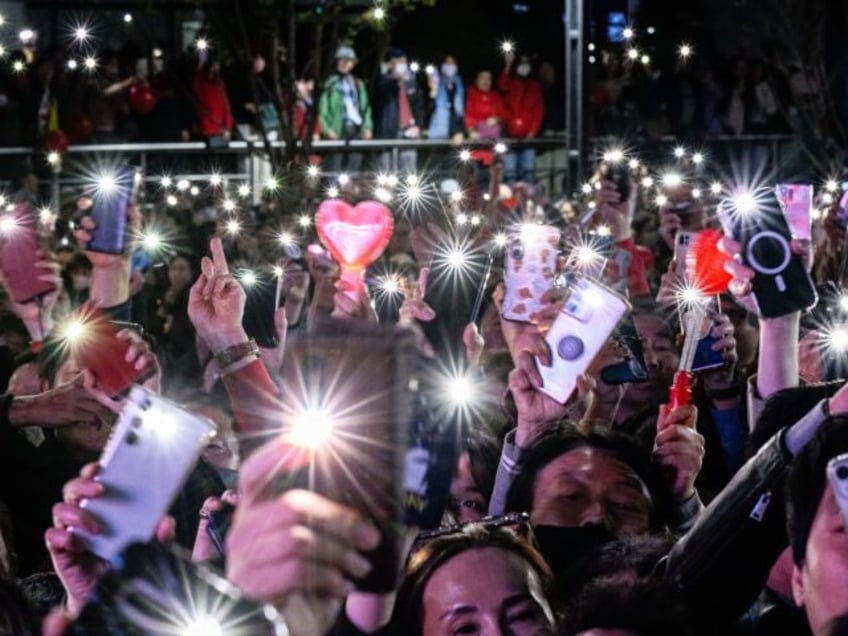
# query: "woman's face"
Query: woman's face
486,592
484,81
179,273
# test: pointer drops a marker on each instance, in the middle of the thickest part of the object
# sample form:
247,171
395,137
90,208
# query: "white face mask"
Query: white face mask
523,70
401,69
449,70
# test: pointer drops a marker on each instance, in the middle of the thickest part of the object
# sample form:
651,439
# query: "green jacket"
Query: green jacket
331,108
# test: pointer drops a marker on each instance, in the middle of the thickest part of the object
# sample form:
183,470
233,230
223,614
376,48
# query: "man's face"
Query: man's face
587,486
661,359
344,65
820,585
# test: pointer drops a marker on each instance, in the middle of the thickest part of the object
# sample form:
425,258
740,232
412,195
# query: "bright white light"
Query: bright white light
248,278
383,194
203,626
680,152
81,33
7,224
72,64
229,205
233,226
837,339
304,221
476,220
831,185
73,331
90,63
45,215
311,429
586,188
194,191
614,156
744,202
201,44
843,303
628,33
272,184
603,230
379,14
461,218
151,241
456,196
651,30
456,258
698,158
501,239
827,198
507,46
392,180
26,35
171,200
344,179
18,66
106,183
430,69
414,67
183,184
413,192
215,179
53,158
278,271
662,200
586,255
696,193
645,59
390,284
2,20
685,51
333,192
500,147
715,187
285,239
313,171
591,46
382,180
166,182
460,390
465,155
244,190
412,180
128,18
633,54
633,164
593,298
672,179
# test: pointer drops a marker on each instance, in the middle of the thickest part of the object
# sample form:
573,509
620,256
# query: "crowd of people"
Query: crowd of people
619,511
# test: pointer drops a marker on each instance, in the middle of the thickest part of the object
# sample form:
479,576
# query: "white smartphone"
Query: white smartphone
531,267
683,242
837,473
149,456
588,318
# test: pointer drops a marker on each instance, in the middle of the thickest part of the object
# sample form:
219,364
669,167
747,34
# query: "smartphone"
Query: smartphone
683,242
92,337
152,450
619,173
796,201
263,299
159,590
218,525
19,253
589,316
347,397
837,474
531,268
109,211
633,368
782,284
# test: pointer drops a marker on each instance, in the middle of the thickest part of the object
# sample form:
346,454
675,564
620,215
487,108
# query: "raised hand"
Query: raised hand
679,450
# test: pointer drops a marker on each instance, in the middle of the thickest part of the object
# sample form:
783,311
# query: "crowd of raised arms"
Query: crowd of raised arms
426,408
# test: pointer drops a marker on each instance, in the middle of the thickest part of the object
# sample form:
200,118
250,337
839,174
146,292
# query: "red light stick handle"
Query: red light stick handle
680,393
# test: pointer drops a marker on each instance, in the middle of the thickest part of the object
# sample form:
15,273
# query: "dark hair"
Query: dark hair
566,437
17,615
807,479
408,617
484,453
647,606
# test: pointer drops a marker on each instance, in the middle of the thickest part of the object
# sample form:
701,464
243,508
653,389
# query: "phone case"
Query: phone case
682,244
531,267
102,353
837,473
705,358
588,318
109,213
263,299
633,368
358,378
152,450
18,255
782,285
796,201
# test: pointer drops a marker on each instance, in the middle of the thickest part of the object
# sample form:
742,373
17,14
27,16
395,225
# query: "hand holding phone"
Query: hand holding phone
589,316
114,194
152,450
20,255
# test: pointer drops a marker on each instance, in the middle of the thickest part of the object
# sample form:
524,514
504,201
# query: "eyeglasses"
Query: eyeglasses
516,522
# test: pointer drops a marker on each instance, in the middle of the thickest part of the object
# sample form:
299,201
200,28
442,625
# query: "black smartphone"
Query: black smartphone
218,525
347,396
782,284
264,294
633,368
619,173
112,197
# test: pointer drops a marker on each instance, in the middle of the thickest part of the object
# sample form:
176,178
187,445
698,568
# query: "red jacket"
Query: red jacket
480,106
525,105
213,106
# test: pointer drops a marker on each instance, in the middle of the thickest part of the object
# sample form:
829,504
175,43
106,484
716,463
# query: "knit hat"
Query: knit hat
345,52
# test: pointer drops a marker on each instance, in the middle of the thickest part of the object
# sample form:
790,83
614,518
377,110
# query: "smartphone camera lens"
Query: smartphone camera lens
842,473
131,438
